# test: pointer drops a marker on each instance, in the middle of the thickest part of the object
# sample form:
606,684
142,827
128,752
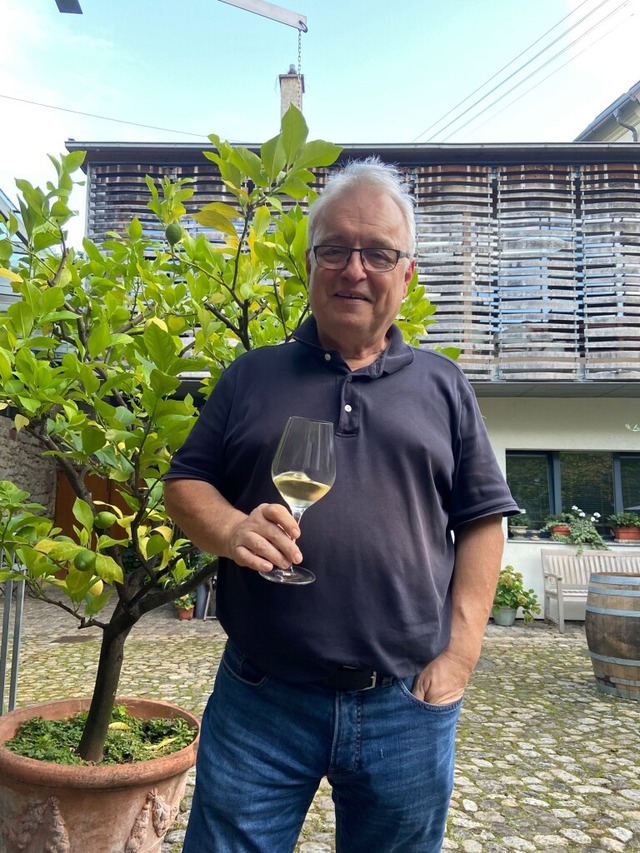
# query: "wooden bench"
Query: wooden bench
566,576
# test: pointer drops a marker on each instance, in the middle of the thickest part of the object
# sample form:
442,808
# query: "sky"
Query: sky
375,71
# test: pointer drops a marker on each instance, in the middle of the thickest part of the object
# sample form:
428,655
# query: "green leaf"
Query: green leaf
108,569
218,216
273,157
156,545
317,153
160,347
251,164
74,160
93,439
261,220
99,339
294,132
82,513
162,384
135,229
22,317
5,365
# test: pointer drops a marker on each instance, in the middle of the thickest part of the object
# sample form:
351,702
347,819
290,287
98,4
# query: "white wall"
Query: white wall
519,423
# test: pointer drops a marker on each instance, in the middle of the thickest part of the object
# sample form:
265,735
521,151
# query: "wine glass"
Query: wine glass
303,471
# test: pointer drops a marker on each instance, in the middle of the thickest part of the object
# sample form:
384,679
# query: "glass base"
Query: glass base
297,576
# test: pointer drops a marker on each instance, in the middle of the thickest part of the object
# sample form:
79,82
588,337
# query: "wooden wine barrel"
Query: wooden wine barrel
612,626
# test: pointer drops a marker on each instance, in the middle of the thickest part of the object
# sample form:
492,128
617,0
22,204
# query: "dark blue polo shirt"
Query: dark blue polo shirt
413,462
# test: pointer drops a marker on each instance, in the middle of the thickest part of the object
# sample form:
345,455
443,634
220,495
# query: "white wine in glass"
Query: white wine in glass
303,471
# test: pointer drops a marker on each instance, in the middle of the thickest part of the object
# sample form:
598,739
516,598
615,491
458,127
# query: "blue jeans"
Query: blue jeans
266,744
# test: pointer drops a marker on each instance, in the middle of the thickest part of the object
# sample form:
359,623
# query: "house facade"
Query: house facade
532,255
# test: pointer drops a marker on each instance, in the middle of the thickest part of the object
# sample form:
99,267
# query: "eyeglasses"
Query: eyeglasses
373,260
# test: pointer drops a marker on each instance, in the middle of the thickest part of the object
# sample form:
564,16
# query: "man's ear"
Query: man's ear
409,274
307,256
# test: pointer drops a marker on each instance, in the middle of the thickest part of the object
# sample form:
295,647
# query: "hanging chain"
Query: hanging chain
300,69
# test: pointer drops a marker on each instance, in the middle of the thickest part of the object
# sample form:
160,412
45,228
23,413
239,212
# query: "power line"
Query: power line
532,74
103,118
515,59
539,83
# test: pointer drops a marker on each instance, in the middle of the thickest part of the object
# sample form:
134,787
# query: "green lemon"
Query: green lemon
104,519
173,233
85,560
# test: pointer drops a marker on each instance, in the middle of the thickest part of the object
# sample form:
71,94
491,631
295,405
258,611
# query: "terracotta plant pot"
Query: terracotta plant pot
561,529
46,806
626,534
185,614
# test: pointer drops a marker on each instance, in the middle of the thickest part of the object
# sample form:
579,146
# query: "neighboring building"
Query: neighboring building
532,255
620,122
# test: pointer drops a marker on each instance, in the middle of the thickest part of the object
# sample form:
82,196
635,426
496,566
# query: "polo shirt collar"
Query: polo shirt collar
396,356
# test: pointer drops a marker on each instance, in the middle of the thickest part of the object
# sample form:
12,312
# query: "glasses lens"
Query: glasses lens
332,257
379,260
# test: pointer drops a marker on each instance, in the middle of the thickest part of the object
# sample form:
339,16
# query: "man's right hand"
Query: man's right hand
261,540
265,539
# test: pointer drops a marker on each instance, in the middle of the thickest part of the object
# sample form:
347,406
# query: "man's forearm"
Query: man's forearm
479,548
202,513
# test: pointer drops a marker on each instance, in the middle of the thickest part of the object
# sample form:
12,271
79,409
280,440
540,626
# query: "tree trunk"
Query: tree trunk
91,746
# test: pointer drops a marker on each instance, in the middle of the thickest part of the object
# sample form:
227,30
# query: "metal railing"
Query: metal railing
12,614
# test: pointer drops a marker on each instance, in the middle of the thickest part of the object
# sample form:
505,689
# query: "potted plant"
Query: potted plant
518,524
576,528
92,356
511,596
625,526
558,524
184,606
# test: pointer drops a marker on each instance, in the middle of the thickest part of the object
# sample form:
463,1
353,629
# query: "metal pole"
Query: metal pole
4,646
17,639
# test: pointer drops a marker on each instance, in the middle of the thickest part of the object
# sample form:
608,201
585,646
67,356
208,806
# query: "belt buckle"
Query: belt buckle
374,677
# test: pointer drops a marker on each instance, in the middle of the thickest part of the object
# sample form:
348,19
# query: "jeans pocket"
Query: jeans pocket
406,685
240,668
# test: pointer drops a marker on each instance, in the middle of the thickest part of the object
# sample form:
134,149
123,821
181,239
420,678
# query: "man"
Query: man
359,676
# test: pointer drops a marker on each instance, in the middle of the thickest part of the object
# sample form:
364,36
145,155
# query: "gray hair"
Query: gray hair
370,173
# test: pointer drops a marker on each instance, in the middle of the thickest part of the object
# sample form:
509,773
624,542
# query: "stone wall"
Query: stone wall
21,461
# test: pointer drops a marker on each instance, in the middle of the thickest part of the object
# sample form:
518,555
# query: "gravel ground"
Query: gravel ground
545,762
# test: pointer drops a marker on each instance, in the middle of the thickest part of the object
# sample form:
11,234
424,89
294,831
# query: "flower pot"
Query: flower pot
505,616
46,806
184,613
518,531
561,529
626,534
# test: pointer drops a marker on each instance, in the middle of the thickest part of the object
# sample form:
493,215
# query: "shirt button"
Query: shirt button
327,357
347,408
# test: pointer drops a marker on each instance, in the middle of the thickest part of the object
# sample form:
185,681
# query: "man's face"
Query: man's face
353,305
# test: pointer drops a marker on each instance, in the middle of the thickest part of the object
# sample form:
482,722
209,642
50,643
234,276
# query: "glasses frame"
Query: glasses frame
363,261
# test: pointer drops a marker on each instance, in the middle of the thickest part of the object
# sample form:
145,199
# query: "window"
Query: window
548,482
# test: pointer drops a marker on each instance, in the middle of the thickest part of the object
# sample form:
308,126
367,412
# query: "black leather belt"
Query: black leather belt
348,678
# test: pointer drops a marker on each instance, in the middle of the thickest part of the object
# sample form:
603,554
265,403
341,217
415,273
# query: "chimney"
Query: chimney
291,90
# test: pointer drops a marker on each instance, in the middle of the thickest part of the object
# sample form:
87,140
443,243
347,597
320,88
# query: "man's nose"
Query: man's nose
355,267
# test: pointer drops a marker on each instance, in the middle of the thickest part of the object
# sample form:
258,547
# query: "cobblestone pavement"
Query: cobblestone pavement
545,762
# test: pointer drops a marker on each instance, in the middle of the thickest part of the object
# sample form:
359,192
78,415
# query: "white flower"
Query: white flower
575,508
581,514
596,515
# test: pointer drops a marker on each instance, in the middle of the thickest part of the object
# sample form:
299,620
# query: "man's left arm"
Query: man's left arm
479,547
